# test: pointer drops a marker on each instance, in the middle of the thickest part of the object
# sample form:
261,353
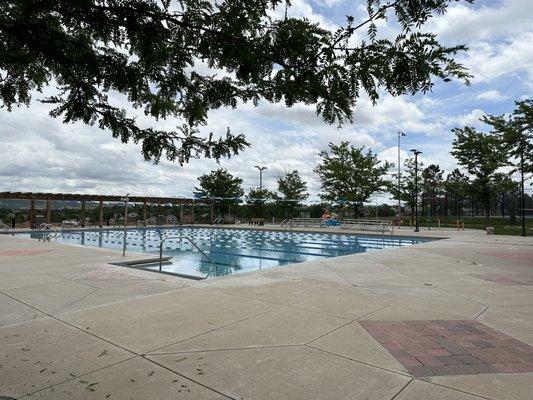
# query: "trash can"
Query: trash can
39,219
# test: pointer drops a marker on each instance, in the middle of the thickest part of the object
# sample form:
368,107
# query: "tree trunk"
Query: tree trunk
512,212
486,196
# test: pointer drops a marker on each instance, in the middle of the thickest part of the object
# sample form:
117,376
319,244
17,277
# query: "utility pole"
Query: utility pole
416,153
124,242
522,186
400,134
261,169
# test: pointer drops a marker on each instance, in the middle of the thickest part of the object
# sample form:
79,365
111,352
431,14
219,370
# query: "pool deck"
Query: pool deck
446,319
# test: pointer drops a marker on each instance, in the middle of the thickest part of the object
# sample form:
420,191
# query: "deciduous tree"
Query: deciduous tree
351,174
406,192
293,190
181,59
457,188
220,186
431,186
481,154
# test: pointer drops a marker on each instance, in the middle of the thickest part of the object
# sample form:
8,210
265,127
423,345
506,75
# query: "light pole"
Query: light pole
416,153
400,134
261,169
523,198
124,242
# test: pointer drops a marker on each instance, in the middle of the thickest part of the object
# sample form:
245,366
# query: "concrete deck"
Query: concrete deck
74,327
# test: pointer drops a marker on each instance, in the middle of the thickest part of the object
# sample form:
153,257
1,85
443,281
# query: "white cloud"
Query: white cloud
41,154
471,118
491,95
488,21
489,61
499,36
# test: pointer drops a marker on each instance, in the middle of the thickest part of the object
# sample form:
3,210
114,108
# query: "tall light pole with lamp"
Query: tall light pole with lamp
416,153
261,169
124,242
400,134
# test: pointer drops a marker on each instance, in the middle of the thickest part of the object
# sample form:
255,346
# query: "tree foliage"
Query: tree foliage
181,59
293,190
431,186
256,196
481,154
457,188
516,130
221,186
406,191
350,174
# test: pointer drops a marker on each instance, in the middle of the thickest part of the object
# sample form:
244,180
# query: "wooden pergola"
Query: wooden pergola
83,198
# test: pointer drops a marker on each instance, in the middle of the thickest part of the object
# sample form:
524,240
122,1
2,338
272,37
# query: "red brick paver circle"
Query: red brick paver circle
450,347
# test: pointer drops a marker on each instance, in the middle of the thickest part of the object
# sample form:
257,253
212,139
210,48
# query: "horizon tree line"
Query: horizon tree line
349,176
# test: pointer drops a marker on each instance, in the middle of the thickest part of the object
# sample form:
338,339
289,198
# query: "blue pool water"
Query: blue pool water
232,250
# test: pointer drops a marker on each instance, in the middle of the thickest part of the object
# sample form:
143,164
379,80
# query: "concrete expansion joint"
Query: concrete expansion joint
428,380
481,313
359,361
274,346
188,378
76,377
402,389
218,327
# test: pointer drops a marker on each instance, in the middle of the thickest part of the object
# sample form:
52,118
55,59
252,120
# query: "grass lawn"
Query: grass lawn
502,225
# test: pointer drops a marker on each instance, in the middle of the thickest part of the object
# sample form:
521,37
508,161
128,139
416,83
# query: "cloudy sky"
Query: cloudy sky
39,153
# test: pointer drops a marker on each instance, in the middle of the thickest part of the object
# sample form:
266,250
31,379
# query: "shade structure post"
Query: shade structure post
82,216
101,214
48,211
145,213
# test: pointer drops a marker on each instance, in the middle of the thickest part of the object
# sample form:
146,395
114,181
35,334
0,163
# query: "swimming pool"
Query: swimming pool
232,250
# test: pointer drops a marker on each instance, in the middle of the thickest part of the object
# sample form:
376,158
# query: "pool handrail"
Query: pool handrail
192,242
360,224
286,222
54,232
380,225
306,222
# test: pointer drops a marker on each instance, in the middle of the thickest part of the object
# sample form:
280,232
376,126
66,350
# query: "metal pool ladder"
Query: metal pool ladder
192,242
50,232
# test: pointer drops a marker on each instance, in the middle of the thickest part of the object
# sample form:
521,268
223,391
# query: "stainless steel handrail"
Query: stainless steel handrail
286,222
192,242
54,232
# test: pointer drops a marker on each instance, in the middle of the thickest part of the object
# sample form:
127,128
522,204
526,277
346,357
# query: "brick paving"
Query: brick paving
450,347
507,280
